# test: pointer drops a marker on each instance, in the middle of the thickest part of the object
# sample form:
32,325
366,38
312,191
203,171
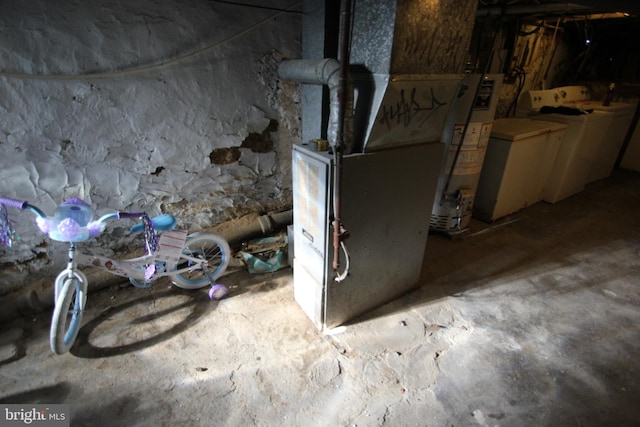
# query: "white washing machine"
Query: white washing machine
618,118
517,165
576,155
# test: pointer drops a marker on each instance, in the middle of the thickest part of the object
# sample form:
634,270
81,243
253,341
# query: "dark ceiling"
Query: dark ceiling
556,7
598,34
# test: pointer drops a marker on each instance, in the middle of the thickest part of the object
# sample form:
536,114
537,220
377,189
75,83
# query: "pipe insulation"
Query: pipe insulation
318,71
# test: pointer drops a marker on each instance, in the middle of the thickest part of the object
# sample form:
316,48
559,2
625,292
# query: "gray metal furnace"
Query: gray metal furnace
385,195
386,192
405,69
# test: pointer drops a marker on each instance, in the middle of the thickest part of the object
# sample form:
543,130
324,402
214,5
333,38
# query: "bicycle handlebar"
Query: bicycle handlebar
22,206
13,203
131,215
63,230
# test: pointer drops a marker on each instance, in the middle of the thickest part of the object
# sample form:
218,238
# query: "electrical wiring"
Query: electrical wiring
522,77
586,60
154,66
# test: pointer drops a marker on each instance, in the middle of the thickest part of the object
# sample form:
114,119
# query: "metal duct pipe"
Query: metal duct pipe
318,71
334,74
339,231
327,72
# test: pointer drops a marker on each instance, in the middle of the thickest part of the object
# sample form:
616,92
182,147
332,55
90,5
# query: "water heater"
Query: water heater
465,136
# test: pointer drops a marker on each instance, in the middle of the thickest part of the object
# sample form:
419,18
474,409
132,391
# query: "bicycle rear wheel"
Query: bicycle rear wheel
67,313
214,252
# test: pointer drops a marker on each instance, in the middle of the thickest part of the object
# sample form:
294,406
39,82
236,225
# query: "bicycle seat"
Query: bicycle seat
161,222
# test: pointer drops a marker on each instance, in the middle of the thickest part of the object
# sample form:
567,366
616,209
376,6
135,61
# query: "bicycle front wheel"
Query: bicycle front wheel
67,313
213,252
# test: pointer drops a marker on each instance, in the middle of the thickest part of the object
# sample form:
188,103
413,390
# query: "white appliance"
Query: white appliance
576,155
618,118
519,160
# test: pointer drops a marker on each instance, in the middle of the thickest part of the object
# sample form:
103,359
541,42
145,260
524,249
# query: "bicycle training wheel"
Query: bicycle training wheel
67,313
209,247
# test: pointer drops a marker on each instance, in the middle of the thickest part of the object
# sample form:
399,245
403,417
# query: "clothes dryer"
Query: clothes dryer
576,155
618,116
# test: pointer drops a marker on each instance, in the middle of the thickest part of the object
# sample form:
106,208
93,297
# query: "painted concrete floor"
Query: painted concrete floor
530,321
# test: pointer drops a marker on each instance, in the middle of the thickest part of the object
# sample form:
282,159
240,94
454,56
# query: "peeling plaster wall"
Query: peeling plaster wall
165,106
534,50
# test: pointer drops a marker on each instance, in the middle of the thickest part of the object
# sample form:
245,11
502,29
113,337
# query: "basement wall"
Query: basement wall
164,106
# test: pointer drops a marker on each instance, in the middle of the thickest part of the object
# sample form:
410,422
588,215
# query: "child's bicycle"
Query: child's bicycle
191,261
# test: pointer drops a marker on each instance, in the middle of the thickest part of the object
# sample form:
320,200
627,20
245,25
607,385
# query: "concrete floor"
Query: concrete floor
530,321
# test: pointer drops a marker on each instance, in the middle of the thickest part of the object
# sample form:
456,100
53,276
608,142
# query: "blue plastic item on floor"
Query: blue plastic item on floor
257,265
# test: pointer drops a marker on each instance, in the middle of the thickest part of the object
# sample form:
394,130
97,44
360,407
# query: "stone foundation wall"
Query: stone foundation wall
164,106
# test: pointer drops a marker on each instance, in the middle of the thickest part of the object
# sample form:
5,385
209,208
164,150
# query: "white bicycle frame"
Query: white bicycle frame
148,267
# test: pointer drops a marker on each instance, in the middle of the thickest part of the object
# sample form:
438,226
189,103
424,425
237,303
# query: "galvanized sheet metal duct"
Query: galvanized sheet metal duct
407,54
318,71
